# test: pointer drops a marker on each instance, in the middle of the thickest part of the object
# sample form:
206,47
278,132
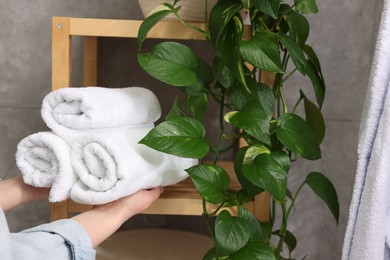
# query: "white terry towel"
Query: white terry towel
365,235
70,112
112,164
44,161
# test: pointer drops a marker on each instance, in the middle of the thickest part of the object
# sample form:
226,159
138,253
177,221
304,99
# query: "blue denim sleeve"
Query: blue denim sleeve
62,239
5,239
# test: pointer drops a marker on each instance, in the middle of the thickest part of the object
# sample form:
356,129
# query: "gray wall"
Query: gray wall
343,33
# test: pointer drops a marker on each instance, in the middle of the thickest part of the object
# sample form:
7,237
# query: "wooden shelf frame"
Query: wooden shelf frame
179,199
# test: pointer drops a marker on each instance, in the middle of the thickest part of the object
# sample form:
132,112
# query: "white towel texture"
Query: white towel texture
368,226
111,165
44,161
74,111
93,155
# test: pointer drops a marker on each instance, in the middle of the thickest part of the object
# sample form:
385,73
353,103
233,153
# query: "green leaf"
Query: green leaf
270,7
229,48
289,195
317,82
175,110
289,240
259,92
181,136
231,198
220,16
248,4
265,97
306,6
314,118
283,26
266,228
196,105
297,136
211,254
255,231
325,190
211,182
312,56
249,188
295,52
205,77
283,159
253,151
268,174
254,121
222,73
260,95
204,72
229,115
159,13
170,62
226,31
242,197
299,27
262,52
315,74
231,234
254,250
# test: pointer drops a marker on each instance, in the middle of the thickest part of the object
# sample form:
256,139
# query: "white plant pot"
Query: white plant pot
191,10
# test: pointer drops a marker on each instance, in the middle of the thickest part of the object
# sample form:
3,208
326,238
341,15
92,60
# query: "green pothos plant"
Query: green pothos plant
275,134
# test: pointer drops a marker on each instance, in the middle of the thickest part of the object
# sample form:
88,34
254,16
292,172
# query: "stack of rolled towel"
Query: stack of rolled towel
92,154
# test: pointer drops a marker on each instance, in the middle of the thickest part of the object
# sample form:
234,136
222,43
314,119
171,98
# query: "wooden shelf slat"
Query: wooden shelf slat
183,199
129,29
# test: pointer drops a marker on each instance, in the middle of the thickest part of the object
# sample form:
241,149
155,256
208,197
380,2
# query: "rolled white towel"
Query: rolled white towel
44,161
74,111
112,164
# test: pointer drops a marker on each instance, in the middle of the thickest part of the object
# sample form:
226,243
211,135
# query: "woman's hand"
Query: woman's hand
135,203
14,192
103,220
99,222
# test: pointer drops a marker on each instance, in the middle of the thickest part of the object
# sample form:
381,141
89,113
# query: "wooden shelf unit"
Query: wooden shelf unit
179,199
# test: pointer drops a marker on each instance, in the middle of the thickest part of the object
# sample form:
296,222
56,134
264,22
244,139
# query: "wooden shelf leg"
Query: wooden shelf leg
61,78
59,210
61,53
261,206
90,63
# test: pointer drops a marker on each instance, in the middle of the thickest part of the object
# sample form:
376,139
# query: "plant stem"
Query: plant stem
289,75
233,144
272,213
279,84
206,17
221,127
294,199
264,25
297,104
282,232
206,34
217,209
206,215
286,57
277,96
285,110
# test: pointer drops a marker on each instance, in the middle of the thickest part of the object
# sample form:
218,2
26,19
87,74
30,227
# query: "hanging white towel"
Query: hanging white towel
44,161
366,230
73,111
112,164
